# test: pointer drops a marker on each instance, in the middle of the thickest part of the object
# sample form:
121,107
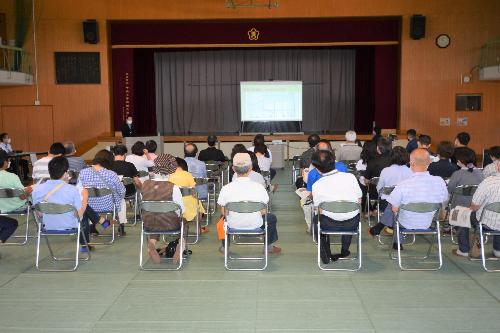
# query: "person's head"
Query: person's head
462,139
466,158
368,152
424,141
103,158
211,140
324,161
151,146
58,166
313,140
350,136
4,160
57,149
238,148
411,134
165,164
419,160
120,151
258,140
4,137
445,150
190,150
384,146
324,144
377,131
181,163
399,156
495,153
69,148
242,164
129,120
138,148
260,150
255,161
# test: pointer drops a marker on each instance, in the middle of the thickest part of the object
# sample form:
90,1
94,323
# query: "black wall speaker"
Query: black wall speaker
90,32
417,26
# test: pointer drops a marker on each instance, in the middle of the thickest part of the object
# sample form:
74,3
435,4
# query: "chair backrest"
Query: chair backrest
213,165
127,181
374,181
51,208
492,207
265,174
95,192
420,207
188,191
143,174
465,190
201,180
160,206
340,206
351,164
6,193
387,190
244,207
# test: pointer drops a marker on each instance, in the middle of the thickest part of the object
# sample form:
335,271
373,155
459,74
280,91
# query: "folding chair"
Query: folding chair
371,201
133,199
160,207
9,193
214,173
267,177
210,199
464,190
494,208
191,191
295,168
95,192
47,208
339,207
351,165
245,207
386,190
143,174
419,207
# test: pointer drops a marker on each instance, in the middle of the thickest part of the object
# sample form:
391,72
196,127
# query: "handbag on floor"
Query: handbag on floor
220,229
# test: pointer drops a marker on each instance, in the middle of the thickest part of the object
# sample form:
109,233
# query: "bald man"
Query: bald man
420,187
196,167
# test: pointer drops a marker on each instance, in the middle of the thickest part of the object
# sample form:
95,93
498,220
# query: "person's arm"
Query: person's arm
479,198
84,202
137,182
395,198
453,182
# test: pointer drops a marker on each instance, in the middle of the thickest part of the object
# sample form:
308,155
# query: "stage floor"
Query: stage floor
110,294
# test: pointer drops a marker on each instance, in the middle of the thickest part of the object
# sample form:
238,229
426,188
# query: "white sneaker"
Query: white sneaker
457,252
496,253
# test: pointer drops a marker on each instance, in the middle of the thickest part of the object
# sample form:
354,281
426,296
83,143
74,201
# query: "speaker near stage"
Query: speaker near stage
417,26
90,32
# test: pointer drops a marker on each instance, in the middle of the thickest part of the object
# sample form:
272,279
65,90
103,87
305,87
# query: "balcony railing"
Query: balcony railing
15,59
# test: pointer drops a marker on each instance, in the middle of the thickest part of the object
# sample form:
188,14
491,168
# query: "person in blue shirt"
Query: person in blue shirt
411,134
313,174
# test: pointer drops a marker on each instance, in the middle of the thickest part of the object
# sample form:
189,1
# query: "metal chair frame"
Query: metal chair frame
295,168
245,207
465,190
7,193
372,182
210,200
340,206
159,207
56,209
95,192
419,207
191,191
132,199
386,190
492,207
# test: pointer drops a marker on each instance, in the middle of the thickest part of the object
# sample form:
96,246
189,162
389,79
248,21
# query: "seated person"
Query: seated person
305,158
160,189
196,167
139,158
258,140
255,173
492,168
5,145
151,148
75,163
125,169
182,178
312,174
8,225
443,167
243,189
239,148
100,175
57,190
350,150
461,140
420,187
211,153
424,142
487,192
41,166
374,167
411,134
335,186
389,177
466,175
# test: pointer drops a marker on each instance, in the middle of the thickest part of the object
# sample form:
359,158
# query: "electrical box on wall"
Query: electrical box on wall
489,73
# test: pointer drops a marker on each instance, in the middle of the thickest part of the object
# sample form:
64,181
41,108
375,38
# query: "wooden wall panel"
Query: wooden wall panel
430,77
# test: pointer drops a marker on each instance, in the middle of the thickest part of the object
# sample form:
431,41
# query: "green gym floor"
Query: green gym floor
110,293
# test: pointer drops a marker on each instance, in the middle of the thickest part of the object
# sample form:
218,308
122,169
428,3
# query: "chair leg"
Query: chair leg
25,237
483,252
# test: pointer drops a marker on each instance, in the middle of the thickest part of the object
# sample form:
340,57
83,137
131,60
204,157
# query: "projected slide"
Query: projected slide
271,101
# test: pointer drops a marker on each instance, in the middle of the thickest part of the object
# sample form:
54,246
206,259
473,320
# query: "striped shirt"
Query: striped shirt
488,192
103,178
420,187
199,170
76,163
392,175
41,168
491,169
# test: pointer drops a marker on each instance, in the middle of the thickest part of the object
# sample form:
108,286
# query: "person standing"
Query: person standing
128,128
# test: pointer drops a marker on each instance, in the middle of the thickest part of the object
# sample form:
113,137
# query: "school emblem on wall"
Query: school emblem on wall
253,34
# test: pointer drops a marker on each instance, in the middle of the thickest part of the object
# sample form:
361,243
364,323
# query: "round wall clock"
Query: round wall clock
443,41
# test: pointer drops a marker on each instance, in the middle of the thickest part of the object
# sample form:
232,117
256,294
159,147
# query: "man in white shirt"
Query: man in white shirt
335,186
492,168
41,166
244,189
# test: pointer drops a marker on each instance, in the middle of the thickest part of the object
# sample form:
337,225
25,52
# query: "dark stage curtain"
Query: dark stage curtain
198,91
144,92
